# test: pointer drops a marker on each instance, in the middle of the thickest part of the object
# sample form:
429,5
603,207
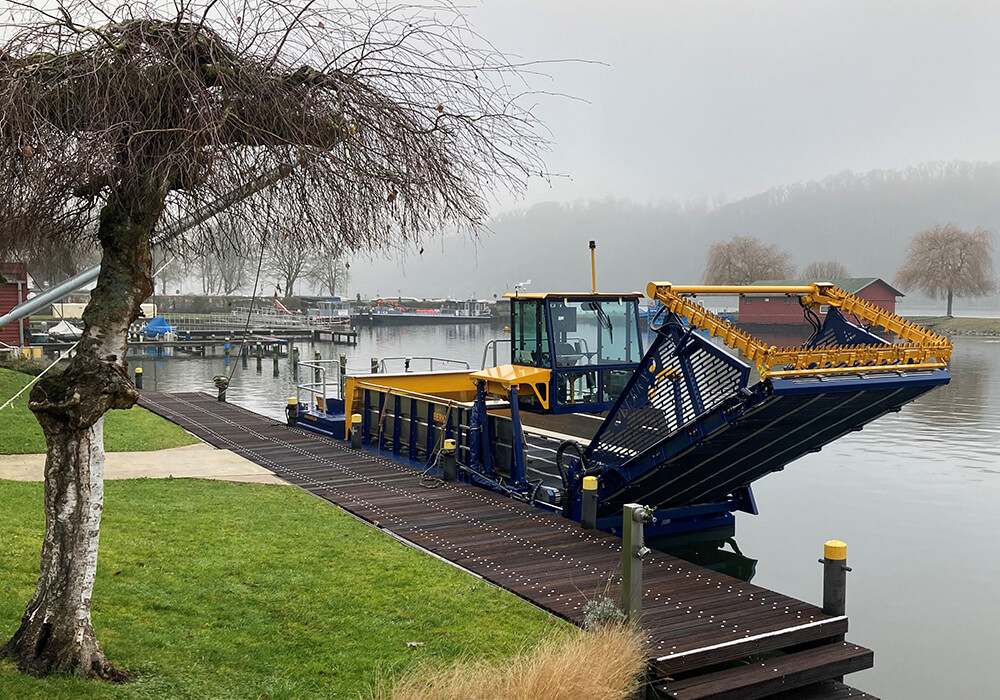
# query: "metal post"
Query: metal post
835,570
356,431
225,348
517,467
317,356
138,377
374,365
342,382
593,268
634,551
448,460
588,512
292,411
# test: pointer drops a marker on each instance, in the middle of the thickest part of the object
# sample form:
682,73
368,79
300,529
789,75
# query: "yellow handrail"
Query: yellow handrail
919,349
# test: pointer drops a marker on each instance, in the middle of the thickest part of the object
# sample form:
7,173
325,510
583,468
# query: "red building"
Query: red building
12,292
783,309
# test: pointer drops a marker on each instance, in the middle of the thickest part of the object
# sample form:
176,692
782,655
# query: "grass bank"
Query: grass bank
219,590
951,325
135,430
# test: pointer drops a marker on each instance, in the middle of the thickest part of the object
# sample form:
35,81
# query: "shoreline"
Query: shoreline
959,325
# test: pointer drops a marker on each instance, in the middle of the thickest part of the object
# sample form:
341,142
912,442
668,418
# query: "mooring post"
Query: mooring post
356,431
374,365
274,361
138,377
317,356
634,551
221,383
588,512
225,348
292,411
448,460
835,570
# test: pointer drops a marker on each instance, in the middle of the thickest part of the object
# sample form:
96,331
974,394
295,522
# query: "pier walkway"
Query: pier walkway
709,635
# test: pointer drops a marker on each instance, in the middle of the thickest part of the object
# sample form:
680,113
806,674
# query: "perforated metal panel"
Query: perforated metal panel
682,376
837,330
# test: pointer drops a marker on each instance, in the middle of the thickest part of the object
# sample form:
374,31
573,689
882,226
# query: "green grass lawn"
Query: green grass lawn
135,430
219,590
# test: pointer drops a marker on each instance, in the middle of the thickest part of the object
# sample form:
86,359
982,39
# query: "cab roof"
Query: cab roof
572,295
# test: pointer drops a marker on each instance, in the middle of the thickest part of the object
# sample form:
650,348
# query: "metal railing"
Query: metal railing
493,343
320,390
408,362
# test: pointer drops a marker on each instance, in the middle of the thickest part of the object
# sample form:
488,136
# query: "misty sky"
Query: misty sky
700,98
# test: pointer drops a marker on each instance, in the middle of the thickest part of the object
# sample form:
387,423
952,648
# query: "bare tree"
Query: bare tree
387,122
223,259
330,273
286,260
825,271
59,258
945,261
744,259
167,268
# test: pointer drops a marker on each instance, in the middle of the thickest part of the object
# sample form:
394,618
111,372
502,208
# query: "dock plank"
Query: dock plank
694,617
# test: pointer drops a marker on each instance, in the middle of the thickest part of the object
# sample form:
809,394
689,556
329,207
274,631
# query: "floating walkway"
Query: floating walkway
709,635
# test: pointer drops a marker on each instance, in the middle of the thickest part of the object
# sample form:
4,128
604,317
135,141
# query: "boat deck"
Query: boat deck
544,432
695,619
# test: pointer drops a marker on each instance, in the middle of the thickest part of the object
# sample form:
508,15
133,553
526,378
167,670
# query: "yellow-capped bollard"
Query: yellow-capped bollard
356,431
138,377
835,570
292,411
588,506
448,460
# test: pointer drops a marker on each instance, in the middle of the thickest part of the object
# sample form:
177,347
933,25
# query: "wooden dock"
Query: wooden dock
709,635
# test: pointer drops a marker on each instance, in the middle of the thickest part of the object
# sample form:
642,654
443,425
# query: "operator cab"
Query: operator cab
590,343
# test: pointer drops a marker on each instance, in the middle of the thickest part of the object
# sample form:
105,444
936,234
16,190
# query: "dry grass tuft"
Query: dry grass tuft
601,665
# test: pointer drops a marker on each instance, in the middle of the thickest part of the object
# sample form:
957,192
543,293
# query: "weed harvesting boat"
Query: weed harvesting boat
585,419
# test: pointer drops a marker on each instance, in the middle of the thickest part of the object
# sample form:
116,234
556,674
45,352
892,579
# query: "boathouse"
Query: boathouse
13,291
756,309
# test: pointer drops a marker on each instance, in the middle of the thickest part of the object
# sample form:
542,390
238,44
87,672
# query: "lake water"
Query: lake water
916,496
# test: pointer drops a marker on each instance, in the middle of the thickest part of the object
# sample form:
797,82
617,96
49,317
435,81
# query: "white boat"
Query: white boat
65,331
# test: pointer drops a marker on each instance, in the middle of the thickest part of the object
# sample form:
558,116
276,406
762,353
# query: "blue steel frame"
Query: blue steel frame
475,441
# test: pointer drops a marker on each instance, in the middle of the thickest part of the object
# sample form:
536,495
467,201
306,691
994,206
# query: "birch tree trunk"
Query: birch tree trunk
56,633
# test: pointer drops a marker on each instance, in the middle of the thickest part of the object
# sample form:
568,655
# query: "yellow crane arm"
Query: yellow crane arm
918,348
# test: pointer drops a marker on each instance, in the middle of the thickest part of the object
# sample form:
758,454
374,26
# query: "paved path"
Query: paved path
199,461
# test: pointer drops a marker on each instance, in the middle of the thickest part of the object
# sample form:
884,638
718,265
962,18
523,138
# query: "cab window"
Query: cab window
529,334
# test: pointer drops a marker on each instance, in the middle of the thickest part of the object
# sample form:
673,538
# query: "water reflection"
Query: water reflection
959,422
711,554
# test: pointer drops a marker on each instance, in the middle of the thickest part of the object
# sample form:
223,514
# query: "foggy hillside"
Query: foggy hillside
863,220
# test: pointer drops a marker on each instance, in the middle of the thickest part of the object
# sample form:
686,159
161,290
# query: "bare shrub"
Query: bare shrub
605,664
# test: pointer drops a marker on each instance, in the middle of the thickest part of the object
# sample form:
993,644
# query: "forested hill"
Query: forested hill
863,220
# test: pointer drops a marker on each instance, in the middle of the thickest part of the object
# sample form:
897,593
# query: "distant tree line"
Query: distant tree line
942,261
